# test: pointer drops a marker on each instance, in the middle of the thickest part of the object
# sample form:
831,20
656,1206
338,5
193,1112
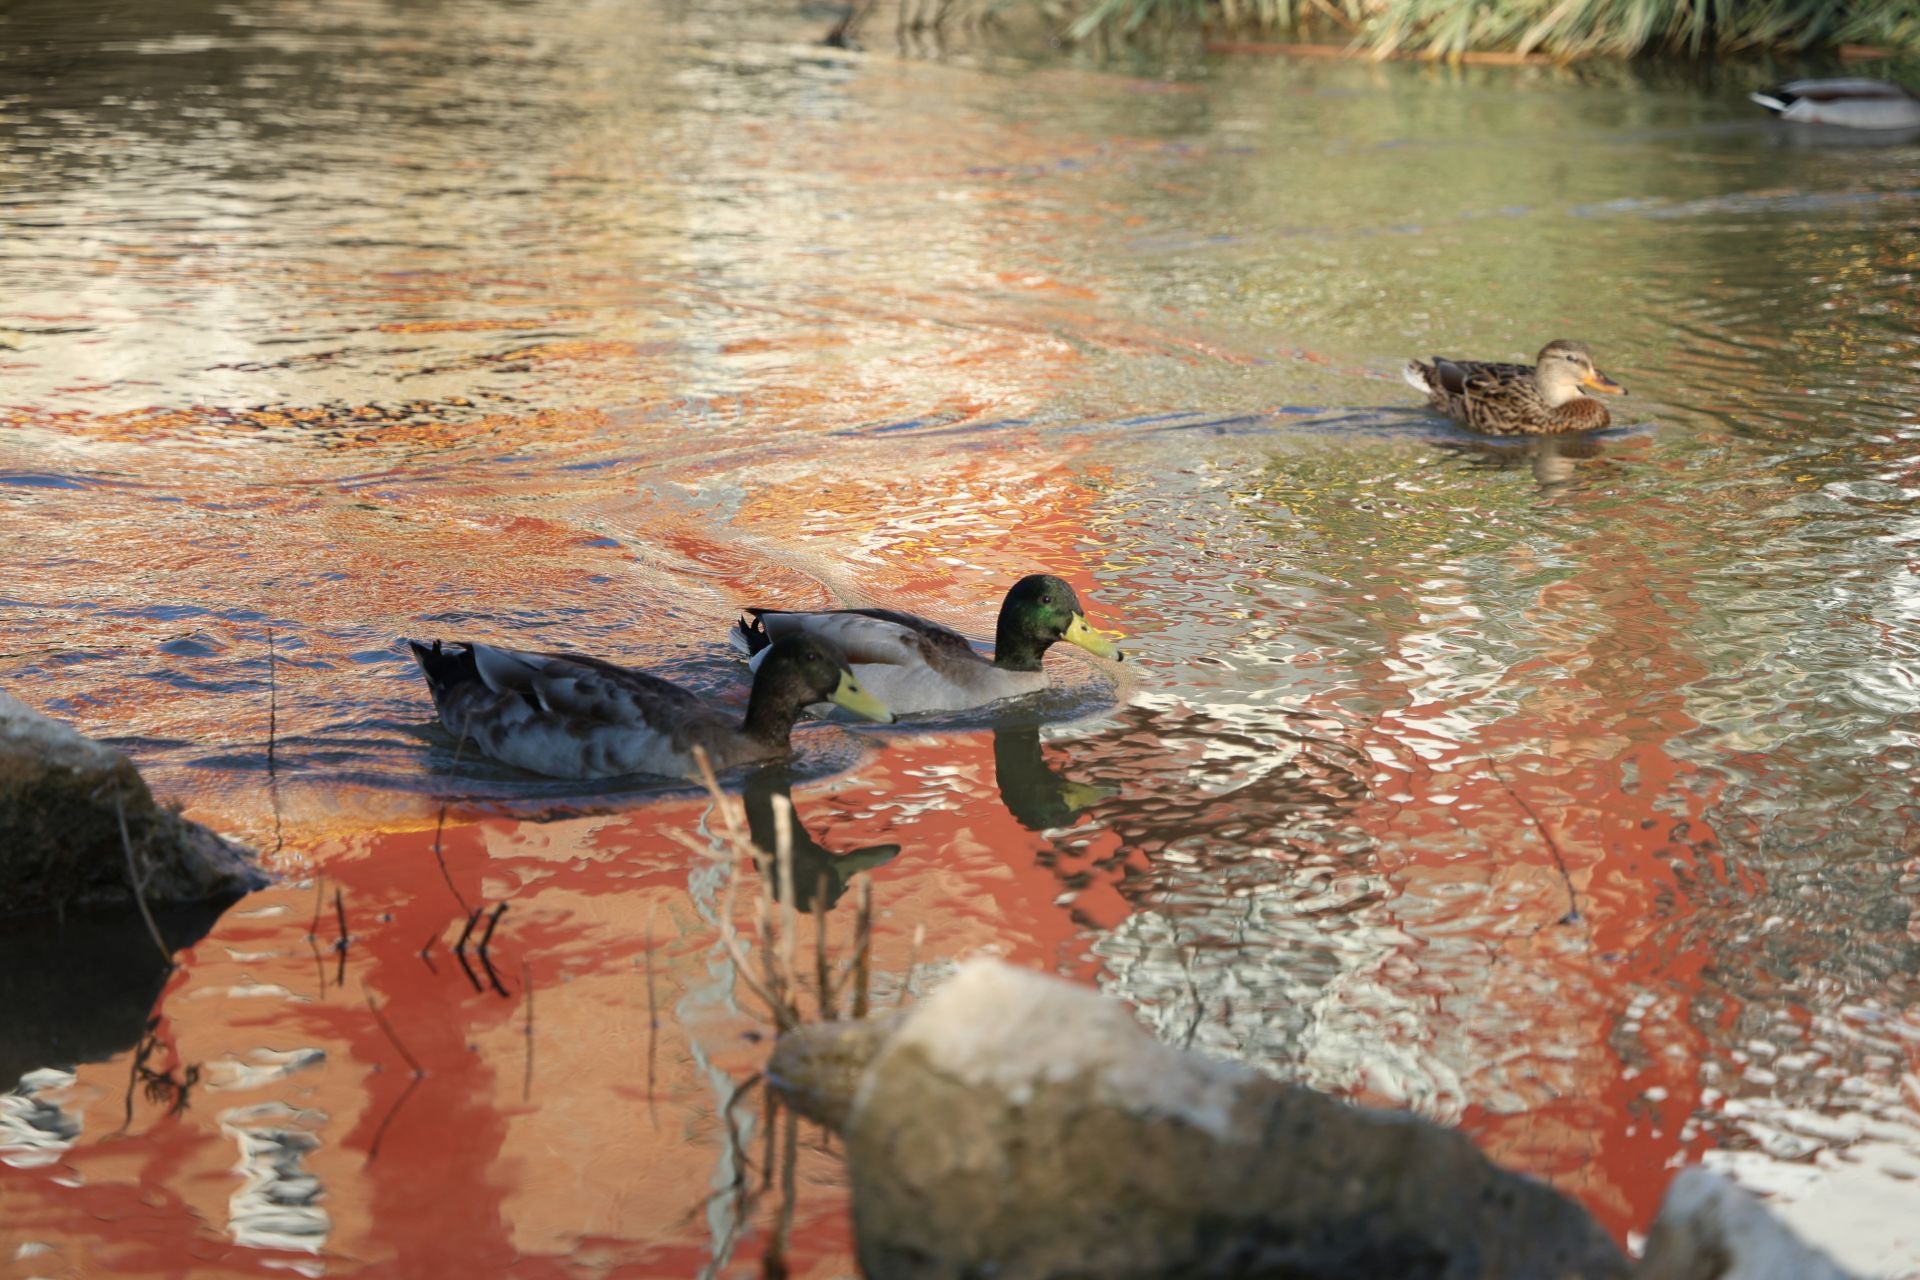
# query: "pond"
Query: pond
1565,793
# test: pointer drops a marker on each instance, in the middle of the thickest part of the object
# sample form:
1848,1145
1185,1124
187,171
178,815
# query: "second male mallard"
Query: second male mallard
914,665
1545,398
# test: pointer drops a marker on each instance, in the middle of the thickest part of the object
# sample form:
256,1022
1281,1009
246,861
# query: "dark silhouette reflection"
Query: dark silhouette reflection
1553,460
80,989
1825,136
1036,794
814,866
1216,794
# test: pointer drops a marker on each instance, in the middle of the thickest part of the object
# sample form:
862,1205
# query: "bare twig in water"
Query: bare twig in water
460,949
742,1165
846,31
769,1112
789,914
440,823
392,1036
712,784
345,939
141,1052
737,1188
862,946
313,930
1553,846
653,1019
319,901
138,883
776,1260
729,936
822,972
526,988
486,941
913,962
770,970
273,701
419,1073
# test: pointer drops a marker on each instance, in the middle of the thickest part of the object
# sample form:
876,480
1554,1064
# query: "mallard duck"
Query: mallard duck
1544,398
1854,104
570,716
915,665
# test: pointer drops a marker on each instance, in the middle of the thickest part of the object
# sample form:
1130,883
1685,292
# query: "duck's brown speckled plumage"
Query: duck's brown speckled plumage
572,716
1510,399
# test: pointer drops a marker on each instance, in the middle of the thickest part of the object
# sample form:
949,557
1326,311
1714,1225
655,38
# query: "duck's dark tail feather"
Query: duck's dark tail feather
749,635
445,668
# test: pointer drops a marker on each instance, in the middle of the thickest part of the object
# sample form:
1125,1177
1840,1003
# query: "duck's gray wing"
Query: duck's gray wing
880,637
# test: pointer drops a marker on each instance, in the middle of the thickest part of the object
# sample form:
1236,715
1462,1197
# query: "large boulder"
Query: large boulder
1017,1125
62,801
1709,1229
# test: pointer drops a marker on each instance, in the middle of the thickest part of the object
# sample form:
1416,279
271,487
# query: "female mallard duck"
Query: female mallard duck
1855,104
917,665
1541,399
569,716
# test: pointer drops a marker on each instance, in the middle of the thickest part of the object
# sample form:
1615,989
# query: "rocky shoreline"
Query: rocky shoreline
1020,1126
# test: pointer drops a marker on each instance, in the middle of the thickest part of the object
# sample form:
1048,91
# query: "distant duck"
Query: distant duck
1544,398
915,665
569,716
1854,104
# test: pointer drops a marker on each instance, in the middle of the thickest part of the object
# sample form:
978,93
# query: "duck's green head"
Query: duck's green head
1039,610
1565,370
801,670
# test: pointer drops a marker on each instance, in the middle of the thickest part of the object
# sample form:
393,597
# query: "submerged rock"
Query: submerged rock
63,798
1709,1229
1017,1125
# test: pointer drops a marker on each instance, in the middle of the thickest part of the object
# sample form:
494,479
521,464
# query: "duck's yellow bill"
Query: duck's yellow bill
850,695
1601,382
1094,642
1083,795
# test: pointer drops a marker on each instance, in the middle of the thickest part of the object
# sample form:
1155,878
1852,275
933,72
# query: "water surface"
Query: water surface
1562,793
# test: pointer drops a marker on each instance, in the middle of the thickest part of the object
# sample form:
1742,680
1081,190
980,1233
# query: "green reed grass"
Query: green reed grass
1560,28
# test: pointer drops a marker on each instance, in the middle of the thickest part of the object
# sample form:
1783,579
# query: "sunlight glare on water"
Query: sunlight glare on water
1563,792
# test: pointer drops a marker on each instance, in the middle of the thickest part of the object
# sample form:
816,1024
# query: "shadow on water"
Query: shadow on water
80,989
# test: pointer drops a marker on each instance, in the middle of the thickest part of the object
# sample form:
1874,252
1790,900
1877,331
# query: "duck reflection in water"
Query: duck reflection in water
815,867
1037,795
1554,460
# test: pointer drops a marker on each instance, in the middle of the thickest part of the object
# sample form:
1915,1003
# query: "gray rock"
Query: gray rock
62,800
1020,1126
818,1068
1709,1229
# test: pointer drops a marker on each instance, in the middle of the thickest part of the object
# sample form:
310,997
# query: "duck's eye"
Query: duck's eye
1047,599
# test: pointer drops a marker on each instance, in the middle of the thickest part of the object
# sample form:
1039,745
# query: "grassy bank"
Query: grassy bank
1560,28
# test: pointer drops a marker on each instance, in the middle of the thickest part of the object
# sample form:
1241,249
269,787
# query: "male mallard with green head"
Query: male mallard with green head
570,716
1545,398
915,665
